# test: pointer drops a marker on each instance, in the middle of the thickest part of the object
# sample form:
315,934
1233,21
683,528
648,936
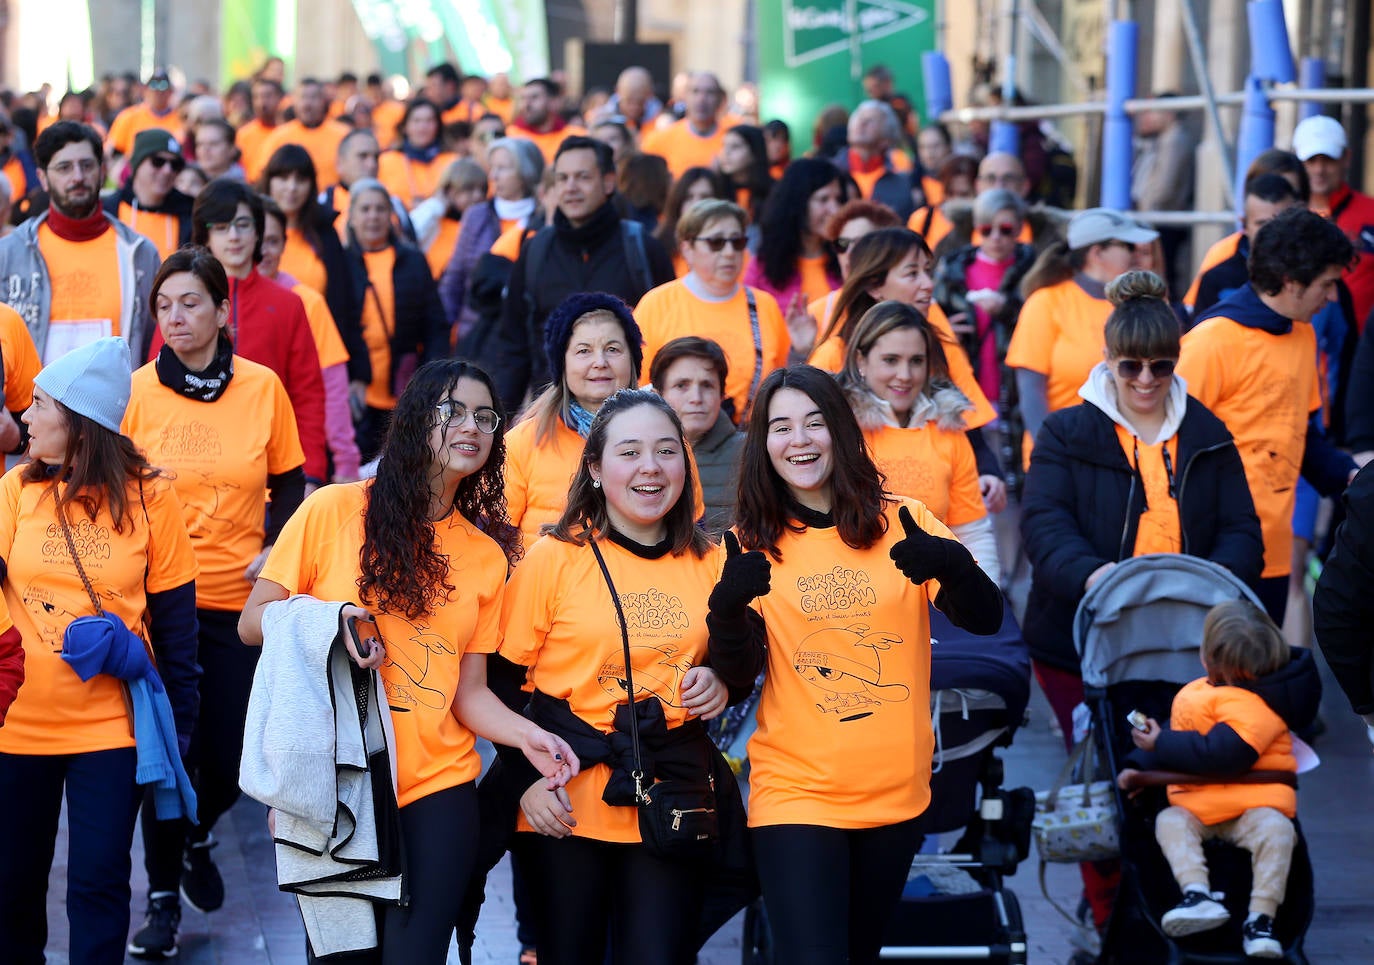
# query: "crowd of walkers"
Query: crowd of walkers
491,413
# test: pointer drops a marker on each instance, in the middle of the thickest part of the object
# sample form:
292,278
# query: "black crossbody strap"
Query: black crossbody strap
638,773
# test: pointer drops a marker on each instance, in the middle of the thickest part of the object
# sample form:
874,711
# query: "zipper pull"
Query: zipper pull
677,819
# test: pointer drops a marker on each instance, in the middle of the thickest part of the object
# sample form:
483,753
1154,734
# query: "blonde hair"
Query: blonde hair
1240,643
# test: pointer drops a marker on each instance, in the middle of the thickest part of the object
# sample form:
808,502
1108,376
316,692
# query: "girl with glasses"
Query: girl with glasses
425,548
1138,466
710,302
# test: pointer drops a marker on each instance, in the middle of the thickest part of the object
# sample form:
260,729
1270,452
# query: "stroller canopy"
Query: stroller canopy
1143,619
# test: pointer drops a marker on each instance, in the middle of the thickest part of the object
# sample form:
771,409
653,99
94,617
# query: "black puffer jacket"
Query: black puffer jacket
1083,501
420,331
1343,606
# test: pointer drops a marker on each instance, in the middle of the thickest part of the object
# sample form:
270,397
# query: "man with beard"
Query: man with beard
313,130
538,119
75,273
266,96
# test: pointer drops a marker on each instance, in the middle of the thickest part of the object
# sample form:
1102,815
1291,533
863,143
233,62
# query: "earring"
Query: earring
596,483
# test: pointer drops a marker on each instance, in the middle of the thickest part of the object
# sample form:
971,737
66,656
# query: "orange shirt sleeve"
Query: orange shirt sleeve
774,329
20,359
829,355
961,371
284,450
1202,362
329,344
171,560
965,500
1032,341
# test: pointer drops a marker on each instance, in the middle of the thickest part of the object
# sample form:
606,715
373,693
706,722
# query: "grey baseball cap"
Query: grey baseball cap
1097,226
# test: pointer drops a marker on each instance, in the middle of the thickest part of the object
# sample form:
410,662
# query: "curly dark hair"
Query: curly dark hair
1298,245
764,510
785,216
402,571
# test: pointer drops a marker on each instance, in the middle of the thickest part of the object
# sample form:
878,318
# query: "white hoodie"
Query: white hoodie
1100,390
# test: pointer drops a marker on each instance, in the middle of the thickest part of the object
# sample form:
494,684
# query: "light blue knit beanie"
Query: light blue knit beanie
93,380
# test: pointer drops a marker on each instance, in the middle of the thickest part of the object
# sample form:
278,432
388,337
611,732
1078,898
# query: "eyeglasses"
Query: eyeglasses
736,242
844,244
1159,368
1006,229
454,413
160,161
241,225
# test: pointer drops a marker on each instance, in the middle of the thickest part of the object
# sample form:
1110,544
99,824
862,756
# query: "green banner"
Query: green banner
524,26
813,53
250,32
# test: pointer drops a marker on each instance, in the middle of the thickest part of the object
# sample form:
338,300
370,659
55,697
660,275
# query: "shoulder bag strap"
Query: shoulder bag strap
638,773
71,548
758,347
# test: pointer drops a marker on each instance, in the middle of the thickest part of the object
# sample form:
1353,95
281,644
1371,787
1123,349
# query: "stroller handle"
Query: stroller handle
1133,779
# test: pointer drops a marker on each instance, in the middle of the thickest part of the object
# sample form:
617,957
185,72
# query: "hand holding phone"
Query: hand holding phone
1138,720
362,638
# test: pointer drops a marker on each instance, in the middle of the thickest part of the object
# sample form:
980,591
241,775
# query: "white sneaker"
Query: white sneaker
1197,912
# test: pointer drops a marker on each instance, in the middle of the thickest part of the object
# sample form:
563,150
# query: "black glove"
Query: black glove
922,556
744,577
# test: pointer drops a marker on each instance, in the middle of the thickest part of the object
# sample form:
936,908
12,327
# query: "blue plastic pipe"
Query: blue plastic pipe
1117,143
1271,57
939,89
1312,76
1256,133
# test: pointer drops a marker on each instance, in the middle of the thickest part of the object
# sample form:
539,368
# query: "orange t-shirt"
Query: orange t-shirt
815,283
502,107
55,712
1060,334
508,242
19,183
318,554
249,139
379,324
933,465
321,143
329,344
829,355
548,142
671,311
299,261
844,737
683,148
559,621
218,456
1216,254
822,309
538,476
935,230
163,230
87,298
440,250
20,359
1263,387
386,119
411,181
1158,530
468,111
139,117
933,189
1199,707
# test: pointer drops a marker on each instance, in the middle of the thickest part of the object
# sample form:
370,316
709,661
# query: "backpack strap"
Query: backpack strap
636,256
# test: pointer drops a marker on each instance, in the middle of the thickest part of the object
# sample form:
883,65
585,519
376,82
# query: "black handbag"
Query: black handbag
677,818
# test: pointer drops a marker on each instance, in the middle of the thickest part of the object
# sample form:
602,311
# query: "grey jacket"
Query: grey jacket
25,284
307,756
717,455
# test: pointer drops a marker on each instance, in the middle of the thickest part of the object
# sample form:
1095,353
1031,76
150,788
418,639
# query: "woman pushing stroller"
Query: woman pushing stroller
1233,721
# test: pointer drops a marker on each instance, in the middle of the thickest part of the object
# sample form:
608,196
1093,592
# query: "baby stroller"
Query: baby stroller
955,906
1138,633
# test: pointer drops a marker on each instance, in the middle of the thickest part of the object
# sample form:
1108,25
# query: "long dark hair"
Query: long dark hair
762,512
585,514
874,255
677,197
402,571
757,178
97,468
785,215
294,159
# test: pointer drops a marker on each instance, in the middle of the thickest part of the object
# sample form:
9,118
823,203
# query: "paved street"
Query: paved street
258,924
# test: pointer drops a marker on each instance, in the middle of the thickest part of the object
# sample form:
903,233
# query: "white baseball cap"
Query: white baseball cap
1319,135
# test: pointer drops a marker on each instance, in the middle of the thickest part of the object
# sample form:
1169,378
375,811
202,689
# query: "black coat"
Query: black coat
1343,606
420,331
1082,504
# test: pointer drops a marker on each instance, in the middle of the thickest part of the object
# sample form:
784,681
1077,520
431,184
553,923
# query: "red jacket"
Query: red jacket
267,325
1354,213
11,669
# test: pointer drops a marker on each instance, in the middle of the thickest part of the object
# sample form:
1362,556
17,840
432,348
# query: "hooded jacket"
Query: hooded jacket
26,286
1083,501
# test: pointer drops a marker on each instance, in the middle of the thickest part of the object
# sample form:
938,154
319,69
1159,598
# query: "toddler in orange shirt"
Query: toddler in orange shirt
1235,720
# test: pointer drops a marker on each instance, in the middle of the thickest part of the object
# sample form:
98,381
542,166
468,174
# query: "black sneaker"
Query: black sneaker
1258,938
201,885
158,936
1197,912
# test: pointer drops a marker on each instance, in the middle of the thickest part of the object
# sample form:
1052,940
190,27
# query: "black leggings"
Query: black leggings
216,746
439,832
831,891
587,891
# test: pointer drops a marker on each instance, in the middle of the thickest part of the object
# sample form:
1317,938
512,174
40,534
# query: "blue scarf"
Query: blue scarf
103,644
422,154
579,419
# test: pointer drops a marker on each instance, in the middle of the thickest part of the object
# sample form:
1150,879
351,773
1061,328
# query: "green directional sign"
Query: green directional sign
813,53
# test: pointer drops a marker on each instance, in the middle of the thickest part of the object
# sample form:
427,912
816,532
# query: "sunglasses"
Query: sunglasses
736,242
1159,368
454,413
160,161
844,244
1006,229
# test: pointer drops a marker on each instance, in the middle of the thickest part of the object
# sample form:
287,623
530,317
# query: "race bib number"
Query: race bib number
66,336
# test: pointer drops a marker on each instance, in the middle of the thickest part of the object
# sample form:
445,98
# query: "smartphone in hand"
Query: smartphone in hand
1138,720
364,634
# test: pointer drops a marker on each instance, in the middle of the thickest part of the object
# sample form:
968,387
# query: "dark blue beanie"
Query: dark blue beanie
558,329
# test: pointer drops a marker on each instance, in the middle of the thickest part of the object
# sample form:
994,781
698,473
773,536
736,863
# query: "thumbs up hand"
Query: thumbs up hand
744,577
920,555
